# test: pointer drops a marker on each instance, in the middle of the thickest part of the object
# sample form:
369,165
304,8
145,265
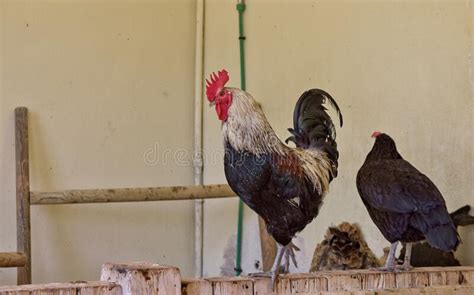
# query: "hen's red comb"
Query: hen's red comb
216,84
376,133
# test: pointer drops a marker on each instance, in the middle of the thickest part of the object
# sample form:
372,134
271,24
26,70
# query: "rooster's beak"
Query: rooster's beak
212,103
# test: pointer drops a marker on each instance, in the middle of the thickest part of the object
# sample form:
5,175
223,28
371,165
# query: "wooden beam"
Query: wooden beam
429,280
12,259
223,286
23,224
356,280
439,290
82,288
218,286
172,193
139,278
193,286
267,245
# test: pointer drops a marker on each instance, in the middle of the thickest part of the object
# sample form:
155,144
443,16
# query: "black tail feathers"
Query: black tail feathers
443,237
461,216
312,125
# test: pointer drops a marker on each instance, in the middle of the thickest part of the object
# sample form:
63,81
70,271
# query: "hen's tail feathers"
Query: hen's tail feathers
443,237
312,125
461,217
437,227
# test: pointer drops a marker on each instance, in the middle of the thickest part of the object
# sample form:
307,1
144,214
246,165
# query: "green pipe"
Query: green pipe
238,256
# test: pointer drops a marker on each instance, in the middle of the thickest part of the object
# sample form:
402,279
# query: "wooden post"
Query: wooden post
23,225
191,286
227,286
139,278
268,246
439,290
359,281
12,259
83,288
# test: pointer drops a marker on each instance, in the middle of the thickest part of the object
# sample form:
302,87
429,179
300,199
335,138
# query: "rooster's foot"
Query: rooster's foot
290,256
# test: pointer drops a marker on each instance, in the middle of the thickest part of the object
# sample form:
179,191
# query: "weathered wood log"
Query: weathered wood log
132,194
139,278
218,286
192,286
23,224
439,290
224,286
356,280
12,259
83,288
360,280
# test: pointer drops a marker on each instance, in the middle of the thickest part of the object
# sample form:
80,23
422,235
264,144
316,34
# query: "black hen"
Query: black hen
404,204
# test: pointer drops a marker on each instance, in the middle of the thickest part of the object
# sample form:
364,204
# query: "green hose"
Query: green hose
238,256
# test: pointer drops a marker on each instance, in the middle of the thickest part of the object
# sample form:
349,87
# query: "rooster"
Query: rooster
403,203
285,186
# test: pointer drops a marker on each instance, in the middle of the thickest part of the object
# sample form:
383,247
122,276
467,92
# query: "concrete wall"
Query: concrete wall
106,82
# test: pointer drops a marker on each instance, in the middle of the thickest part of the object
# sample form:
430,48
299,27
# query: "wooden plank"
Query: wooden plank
139,278
353,280
23,224
172,193
268,246
262,286
231,286
83,288
439,290
359,280
12,259
191,286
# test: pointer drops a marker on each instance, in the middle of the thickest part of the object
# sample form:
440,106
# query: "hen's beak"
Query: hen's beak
212,103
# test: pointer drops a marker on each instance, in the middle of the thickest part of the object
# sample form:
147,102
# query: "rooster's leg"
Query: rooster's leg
390,264
406,262
276,263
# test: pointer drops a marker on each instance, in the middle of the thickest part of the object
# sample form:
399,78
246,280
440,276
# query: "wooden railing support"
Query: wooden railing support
12,259
172,193
23,224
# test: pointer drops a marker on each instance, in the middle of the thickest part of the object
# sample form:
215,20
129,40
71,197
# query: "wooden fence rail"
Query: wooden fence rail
172,193
12,259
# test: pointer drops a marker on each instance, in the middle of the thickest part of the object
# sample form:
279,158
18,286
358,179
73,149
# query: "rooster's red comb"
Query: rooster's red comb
216,84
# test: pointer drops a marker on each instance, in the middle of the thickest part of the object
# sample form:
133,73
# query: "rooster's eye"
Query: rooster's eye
222,93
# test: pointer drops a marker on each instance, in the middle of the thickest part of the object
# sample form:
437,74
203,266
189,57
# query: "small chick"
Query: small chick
343,247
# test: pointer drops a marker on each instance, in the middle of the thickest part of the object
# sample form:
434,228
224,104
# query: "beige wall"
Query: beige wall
403,67
105,80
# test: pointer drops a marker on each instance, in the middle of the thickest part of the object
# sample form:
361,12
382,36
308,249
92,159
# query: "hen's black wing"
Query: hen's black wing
396,186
